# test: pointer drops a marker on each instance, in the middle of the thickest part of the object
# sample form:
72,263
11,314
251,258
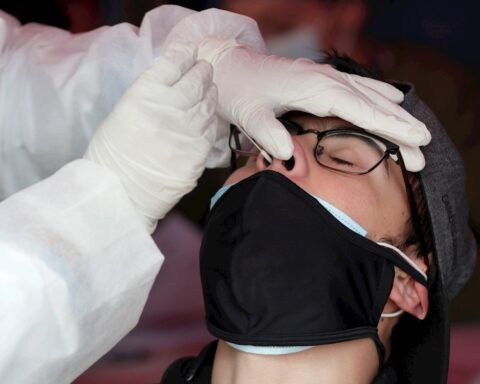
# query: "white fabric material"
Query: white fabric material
76,269
272,85
56,87
158,137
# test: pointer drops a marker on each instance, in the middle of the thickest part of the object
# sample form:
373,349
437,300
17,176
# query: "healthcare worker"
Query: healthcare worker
77,259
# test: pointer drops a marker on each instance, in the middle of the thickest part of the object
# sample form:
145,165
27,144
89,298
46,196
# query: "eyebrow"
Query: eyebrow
322,126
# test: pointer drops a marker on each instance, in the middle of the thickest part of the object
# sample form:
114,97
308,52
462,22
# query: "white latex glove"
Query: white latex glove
159,135
254,88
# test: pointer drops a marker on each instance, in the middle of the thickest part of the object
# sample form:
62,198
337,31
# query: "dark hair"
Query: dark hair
344,63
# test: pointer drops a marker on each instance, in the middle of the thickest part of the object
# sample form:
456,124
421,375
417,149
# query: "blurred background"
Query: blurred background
433,44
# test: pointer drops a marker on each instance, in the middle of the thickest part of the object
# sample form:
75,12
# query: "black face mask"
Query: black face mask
278,269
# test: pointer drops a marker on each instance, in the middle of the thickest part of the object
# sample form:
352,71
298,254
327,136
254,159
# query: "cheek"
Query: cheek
353,195
397,210
361,202
391,209
241,173
369,199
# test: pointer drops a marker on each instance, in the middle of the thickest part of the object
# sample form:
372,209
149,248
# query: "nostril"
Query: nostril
289,164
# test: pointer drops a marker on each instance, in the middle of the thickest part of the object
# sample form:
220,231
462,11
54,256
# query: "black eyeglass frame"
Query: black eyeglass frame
391,149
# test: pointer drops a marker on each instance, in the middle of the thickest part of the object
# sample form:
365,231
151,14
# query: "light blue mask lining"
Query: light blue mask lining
337,213
219,194
342,217
284,350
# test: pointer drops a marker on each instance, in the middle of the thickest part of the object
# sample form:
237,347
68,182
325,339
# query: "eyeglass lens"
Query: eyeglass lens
351,153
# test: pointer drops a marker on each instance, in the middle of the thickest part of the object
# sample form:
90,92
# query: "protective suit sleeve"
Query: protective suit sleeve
71,288
57,87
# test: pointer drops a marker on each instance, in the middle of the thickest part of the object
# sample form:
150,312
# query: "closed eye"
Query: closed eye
341,161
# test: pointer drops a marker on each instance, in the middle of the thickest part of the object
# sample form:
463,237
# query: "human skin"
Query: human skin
379,203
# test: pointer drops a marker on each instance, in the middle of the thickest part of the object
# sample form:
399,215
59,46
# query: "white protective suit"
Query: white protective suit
76,262
76,269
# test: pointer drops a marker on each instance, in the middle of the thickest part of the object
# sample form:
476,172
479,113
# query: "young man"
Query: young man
301,279
61,239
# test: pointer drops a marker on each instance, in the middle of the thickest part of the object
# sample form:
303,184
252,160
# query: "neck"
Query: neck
353,361
385,329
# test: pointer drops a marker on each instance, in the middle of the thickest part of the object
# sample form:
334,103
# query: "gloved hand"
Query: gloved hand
160,133
253,88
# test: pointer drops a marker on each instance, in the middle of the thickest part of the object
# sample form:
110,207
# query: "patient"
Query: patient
310,265
354,172
358,178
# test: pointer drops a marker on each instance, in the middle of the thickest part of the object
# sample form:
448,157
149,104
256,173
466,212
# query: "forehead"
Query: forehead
316,123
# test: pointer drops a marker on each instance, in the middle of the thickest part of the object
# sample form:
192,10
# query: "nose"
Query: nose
295,167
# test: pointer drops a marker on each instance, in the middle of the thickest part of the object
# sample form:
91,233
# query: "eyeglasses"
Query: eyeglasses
349,150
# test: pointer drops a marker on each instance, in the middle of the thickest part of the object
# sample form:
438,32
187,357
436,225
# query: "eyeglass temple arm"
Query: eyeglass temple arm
413,207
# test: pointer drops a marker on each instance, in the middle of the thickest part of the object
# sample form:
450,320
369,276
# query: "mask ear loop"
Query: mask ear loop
406,258
409,261
392,314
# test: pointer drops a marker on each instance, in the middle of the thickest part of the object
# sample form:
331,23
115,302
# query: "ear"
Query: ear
408,294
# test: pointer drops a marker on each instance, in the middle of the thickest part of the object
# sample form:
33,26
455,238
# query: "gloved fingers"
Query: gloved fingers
182,134
193,125
386,90
363,114
201,119
220,154
324,91
358,109
269,133
149,93
176,61
414,132
154,85
379,101
380,114
413,158
194,84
